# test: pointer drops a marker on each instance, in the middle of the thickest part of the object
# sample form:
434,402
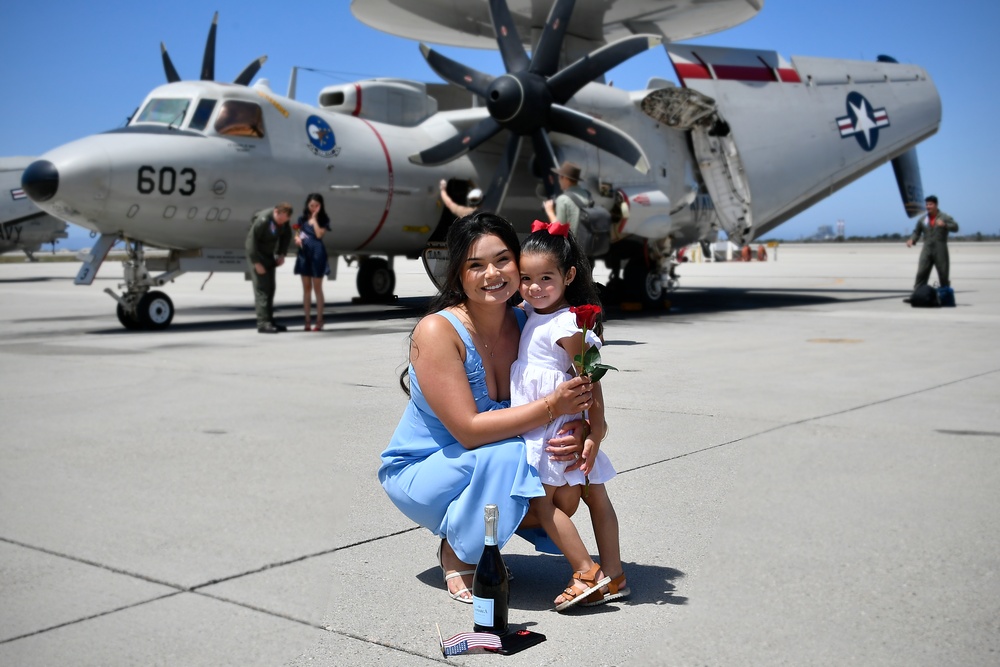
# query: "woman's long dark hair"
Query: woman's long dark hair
461,235
321,217
567,253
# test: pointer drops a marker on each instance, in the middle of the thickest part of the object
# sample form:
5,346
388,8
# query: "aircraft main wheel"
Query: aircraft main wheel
376,281
642,283
127,320
155,311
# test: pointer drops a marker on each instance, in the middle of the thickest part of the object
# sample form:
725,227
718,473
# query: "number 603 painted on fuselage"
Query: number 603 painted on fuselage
165,181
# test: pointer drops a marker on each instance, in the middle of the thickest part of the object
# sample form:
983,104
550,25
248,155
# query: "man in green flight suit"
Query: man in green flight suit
934,227
266,246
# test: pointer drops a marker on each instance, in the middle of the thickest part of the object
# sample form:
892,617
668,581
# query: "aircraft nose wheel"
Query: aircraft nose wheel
155,311
127,319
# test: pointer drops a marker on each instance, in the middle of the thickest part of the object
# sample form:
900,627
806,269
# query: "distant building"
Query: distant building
824,233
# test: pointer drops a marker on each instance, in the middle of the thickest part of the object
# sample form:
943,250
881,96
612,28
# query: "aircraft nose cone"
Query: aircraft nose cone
40,180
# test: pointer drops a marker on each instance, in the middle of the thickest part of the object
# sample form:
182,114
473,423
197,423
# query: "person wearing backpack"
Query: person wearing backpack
590,224
934,227
564,209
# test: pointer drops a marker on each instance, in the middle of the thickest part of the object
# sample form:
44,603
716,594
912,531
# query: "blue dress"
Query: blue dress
312,259
443,486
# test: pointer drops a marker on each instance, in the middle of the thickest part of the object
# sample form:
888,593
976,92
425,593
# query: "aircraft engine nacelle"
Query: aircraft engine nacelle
393,101
644,212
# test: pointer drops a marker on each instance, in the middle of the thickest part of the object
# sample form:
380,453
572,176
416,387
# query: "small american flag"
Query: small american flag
17,193
471,642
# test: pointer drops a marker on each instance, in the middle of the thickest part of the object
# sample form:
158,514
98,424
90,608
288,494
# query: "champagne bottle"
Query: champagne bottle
490,588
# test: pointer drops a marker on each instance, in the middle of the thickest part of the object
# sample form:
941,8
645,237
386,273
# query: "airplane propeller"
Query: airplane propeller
529,99
906,167
208,61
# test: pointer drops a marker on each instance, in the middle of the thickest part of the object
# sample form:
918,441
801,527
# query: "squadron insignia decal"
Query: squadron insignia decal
322,142
862,121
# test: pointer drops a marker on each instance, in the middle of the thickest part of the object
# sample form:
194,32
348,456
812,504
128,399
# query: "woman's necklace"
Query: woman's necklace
474,330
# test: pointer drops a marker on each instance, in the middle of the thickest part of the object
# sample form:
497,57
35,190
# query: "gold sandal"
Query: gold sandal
576,594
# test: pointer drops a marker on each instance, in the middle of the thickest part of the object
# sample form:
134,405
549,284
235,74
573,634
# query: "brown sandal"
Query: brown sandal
577,594
617,589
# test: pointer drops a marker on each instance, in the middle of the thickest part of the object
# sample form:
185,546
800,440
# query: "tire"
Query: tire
376,281
127,321
643,284
156,311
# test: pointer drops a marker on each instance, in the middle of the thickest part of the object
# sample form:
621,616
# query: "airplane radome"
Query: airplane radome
22,226
748,140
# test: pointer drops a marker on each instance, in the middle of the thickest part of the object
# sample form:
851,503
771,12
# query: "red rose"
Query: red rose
586,315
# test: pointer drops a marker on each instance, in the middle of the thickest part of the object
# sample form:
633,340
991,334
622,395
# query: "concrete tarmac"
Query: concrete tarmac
809,474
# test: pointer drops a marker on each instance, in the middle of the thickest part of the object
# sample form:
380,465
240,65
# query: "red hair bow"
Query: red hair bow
556,228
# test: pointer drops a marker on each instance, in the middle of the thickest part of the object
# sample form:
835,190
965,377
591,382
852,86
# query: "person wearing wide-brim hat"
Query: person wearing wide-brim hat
564,209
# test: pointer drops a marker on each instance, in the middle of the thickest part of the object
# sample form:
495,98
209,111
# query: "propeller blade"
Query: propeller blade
247,75
565,83
456,73
511,50
545,59
458,145
911,188
598,133
168,66
493,201
545,161
208,62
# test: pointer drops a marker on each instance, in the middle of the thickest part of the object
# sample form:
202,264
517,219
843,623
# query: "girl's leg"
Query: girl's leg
605,520
306,298
567,498
317,285
563,532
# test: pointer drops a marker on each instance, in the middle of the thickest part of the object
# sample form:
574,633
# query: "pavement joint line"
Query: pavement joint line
102,566
91,617
325,552
324,628
811,419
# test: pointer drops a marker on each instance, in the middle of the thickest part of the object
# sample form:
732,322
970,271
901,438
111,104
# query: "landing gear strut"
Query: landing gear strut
139,308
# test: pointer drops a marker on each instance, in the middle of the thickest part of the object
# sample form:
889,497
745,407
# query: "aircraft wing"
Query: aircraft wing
467,24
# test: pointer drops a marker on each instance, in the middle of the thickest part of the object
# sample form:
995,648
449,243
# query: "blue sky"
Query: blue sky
69,70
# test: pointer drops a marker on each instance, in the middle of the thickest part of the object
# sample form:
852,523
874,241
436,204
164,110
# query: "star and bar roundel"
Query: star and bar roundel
862,121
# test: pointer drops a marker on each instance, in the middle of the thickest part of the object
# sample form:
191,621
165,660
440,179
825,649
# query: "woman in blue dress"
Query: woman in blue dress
312,262
457,447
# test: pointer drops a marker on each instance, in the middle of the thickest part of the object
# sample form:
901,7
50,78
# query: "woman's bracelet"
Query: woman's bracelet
548,409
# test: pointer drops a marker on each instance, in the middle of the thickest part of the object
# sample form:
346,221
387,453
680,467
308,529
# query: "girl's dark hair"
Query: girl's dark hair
462,234
567,253
321,217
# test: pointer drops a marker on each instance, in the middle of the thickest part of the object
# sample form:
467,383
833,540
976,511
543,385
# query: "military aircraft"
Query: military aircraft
22,226
748,140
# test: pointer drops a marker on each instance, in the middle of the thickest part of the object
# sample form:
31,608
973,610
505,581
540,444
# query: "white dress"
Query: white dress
540,367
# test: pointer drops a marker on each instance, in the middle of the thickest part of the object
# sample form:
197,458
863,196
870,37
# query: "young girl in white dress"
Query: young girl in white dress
555,274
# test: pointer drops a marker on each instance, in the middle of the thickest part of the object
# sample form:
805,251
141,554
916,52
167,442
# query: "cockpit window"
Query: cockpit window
201,114
240,119
169,111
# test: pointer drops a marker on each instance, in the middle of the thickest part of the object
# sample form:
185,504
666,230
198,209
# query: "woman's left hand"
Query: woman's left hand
567,445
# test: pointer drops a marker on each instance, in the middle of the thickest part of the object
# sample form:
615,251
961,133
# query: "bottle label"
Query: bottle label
482,611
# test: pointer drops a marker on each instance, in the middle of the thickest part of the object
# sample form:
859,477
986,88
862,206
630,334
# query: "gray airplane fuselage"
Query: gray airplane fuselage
174,187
